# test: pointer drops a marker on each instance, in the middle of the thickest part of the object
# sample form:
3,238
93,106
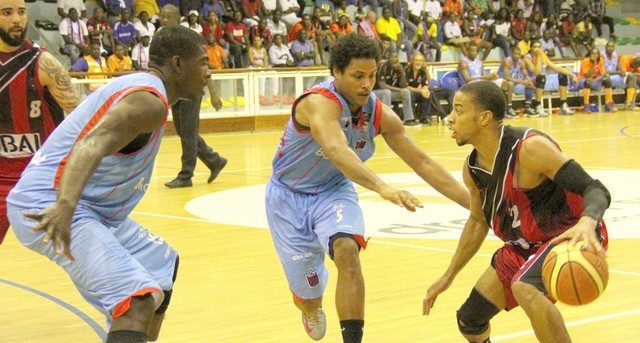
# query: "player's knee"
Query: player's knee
563,80
587,83
606,83
474,315
540,81
343,245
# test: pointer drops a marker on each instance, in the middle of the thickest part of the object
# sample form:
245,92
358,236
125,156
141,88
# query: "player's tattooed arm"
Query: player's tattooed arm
54,76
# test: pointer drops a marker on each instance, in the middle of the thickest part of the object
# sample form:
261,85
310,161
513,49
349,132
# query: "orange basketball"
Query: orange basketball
574,276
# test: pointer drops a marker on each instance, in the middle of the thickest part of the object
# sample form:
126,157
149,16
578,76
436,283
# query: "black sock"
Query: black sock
352,330
535,103
126,336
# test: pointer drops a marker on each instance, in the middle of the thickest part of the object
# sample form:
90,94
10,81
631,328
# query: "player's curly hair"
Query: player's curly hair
174,40
352,46
487,96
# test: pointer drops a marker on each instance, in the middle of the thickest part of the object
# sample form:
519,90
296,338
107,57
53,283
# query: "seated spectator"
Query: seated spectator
392,80
279,54
598,10
453,34
75,35
583,33
268,6
114,7
567,34
217,55
290,10
360,14
93,62
385,49
276,25
63,7
212,27
124,32
252,12
427,39
534,25
518,25
367,27
305,24
303,51
502,32
149,6
454,6
341,9
630,65
389,27
259,59
140,53
618,77
192,22
592,76
261,30
238,39
433,9
215,6
472,29
342,27
418,84
548,44
100,31
514,70
327,9
525,44
143,25
119,61
553,26
324,36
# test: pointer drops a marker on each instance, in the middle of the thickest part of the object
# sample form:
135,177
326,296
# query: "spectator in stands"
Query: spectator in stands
367,27
514,70
324,36
548,44
418,84
215,6
268,6
630,64
591,76
149,6
400,11
341,9
186,6
415,9
472,29
583,33
305,24
143,25
238,39
212,27
567,34
477,6
303,51
192,22
257,55
501,36
99,30
342,27
140,53
119,61
261,30
389,27
518,25
230,6
433,9
290,9
217,55
598,10
279,54
427,38
276,25
63,7
453,34
539,65
75,35
454,6
252,12
114,7
619,78
525,44
385,49
92,62
393,79
553,26
124,32
360,14
534,25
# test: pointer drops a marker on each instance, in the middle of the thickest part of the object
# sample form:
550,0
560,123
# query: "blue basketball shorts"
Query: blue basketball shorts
301,226
618,81
111,265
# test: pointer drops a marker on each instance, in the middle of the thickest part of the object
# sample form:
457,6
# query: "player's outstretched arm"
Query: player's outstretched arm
139,112
55,77
429,170
473,234
541,156
322,116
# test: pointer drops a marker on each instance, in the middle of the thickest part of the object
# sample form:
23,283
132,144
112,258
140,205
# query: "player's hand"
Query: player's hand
55,221
583,231
216,103
528,84
425,92
441,285
400,197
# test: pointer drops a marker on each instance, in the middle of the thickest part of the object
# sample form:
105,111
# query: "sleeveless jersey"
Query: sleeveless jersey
120,180
28,112
299,162
515,69
475,67
611,64
524,217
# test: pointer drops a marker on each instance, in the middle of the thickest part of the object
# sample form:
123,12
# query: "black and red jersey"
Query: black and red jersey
520,216
28,112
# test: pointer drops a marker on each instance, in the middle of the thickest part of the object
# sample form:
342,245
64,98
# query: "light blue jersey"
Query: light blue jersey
515,69
475,67
120,180
301,165
611,63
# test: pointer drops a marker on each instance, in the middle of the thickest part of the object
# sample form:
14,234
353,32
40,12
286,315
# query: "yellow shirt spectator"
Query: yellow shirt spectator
116,63
525,47
432,31
149,6
390,28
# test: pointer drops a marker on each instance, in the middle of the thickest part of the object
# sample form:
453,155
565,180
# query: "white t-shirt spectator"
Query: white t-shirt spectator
503,29
67,4
415,7
452,30
149,30
270,5
289,18
279,55
76,30
140,54
434,8
197,28
277,29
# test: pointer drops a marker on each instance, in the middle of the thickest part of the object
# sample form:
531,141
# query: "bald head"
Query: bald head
169,15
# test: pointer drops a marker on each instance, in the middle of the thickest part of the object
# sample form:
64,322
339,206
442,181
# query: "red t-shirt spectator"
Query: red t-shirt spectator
218,31
264,33
237,31
252,7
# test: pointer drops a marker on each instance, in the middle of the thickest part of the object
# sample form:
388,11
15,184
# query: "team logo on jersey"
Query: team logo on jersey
313,280
19,145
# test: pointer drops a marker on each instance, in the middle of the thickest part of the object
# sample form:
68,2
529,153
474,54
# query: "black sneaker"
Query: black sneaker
179,183
425,122
216,170
411,122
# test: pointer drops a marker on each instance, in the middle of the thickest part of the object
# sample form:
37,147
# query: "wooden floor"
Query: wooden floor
231,287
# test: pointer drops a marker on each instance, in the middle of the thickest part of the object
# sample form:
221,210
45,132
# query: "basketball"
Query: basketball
574,276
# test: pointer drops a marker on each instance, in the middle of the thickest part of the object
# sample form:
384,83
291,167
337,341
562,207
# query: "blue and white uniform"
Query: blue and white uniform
611,64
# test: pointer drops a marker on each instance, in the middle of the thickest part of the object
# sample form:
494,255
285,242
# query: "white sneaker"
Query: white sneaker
631,107
540,111
565,110
315,324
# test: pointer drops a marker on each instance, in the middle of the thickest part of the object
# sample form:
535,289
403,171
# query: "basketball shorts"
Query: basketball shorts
514,263
301,226
111,265
595,85
5,188
618,81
